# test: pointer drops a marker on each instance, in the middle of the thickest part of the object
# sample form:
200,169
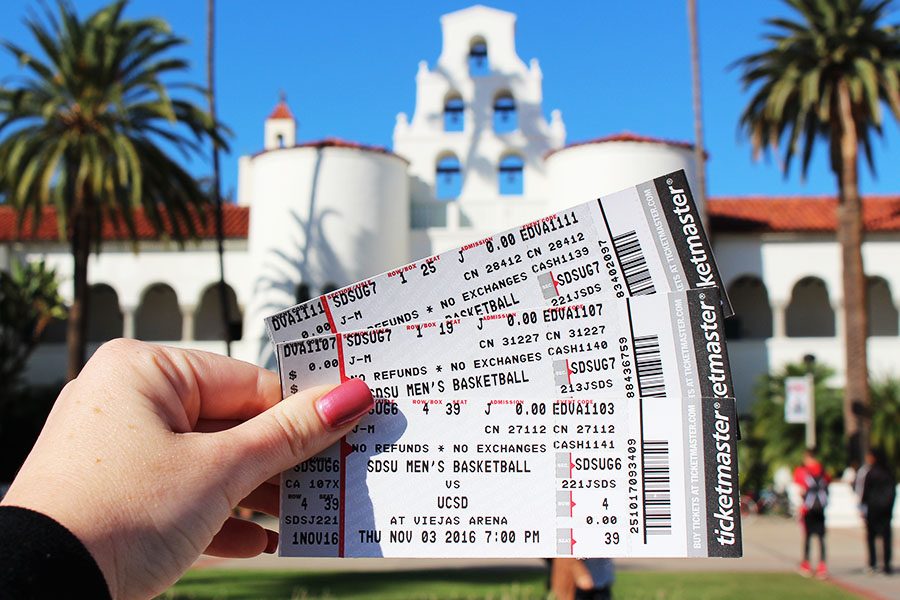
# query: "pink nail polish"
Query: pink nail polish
271,542
345,403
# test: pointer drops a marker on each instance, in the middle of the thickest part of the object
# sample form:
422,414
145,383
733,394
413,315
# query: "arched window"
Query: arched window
280,140
505,118
208,323
301,294
104,316
478,58
158,317
448,178
454,113
329,287
510,176
753,314
810,314
882,312
56,331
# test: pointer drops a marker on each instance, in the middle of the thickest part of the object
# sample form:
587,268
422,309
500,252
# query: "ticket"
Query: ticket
622,348
645,239
537,467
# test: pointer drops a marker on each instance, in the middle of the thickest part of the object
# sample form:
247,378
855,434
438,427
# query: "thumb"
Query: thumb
297,428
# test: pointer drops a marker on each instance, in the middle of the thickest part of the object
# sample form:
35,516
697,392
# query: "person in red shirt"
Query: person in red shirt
813,482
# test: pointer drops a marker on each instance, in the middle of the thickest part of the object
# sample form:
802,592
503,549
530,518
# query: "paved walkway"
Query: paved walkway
771,544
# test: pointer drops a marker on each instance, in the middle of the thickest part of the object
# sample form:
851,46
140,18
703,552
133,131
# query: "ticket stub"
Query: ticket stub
646,239
602,349
534,472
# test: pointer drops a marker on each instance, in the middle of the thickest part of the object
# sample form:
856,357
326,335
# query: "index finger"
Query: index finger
227,388
186,385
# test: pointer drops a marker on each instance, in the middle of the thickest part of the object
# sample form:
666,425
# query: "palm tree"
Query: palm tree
87,130
825,77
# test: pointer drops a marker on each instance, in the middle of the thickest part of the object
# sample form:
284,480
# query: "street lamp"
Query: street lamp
810,361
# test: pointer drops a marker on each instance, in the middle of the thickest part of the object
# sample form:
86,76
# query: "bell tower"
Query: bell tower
478,134
281,127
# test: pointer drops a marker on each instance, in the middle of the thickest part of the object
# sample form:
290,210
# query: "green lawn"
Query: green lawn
484,584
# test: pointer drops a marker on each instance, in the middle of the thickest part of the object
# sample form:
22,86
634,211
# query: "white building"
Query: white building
477,156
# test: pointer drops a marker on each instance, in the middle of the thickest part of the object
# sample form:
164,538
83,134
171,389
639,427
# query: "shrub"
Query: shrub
885,432
769,443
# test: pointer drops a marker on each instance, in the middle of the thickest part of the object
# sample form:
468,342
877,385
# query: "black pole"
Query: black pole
217,182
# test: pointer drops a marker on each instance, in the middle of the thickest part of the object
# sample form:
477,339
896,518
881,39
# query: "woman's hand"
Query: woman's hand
146,453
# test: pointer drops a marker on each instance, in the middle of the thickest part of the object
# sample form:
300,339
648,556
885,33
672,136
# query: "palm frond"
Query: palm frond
794,82
94,120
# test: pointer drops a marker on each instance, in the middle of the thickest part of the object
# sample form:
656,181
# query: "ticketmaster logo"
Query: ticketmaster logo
725,479
691,229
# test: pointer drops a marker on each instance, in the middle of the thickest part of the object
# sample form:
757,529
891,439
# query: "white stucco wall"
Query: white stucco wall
782,260
320,215
131,273
189,272
581,172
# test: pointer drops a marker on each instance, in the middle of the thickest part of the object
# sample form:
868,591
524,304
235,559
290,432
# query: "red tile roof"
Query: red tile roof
281,111
750,214
235,221
797,214
626,136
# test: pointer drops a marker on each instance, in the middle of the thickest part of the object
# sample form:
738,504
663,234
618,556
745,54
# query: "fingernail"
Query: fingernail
345,403
271,542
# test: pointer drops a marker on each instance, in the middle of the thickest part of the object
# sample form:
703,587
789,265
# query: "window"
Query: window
478,58
454,117
280,140
56,330
511,180
810,314
882,312
753,314
301,293
158,317
105,320
208,322
505,119
448,178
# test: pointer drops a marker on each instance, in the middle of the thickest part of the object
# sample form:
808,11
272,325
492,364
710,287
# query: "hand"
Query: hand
146,453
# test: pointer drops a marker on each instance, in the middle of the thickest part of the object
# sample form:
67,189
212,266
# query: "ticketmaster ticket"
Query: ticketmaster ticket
601,428
642,240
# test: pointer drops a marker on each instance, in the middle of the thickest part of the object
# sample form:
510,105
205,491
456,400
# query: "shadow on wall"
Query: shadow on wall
528,117
306,258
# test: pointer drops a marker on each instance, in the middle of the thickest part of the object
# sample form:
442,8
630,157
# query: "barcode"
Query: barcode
648,357
657,488
634,265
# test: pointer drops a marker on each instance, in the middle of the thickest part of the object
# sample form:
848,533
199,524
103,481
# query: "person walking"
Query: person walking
879,491
813,482
582,579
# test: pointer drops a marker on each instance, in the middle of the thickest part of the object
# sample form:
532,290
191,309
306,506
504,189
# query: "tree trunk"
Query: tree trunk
76,337
217,179
850,235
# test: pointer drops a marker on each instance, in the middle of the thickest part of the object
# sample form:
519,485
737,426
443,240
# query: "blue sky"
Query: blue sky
349,67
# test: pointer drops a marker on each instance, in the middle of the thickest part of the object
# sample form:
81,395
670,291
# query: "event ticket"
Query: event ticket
646,239
613,433
602,349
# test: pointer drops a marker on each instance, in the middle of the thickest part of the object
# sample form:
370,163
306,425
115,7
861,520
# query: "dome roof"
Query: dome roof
627,136
281,110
